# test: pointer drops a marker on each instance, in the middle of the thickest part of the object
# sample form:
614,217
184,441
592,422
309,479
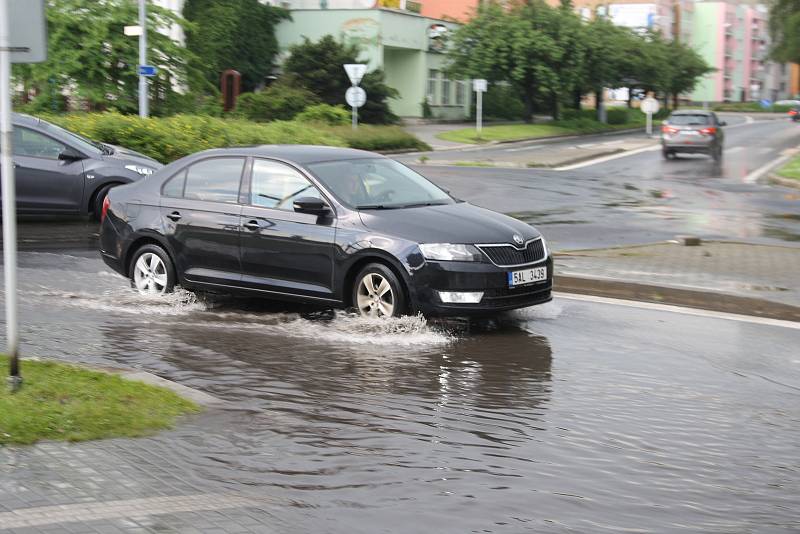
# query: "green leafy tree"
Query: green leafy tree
684,68
784,26
319,68
89,56
231,34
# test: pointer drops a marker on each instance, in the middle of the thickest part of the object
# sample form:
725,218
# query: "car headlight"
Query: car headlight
140,169
449,252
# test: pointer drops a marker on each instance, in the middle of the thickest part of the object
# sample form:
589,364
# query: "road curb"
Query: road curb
785,182
705,300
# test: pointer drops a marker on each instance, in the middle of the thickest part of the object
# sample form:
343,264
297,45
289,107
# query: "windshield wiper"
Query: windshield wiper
377,207
420,204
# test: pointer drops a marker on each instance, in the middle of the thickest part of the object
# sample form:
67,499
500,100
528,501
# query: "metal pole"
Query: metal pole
649,123
9,201
479,113
143,103
355,118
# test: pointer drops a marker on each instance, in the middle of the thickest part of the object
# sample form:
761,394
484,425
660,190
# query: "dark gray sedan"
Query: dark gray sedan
692,132
59,172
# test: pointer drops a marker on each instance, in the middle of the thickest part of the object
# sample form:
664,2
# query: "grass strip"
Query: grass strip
68,403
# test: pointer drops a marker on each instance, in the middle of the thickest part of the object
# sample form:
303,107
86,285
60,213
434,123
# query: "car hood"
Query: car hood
450,223
131,156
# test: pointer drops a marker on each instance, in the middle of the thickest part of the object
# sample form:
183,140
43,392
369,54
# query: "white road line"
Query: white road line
681,309
533,147
587,145
608,158
765,150
754,176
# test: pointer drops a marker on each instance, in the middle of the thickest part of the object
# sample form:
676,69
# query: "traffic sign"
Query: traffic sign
355,97
479,85
355,71
27,31
147,70
650,105
132,31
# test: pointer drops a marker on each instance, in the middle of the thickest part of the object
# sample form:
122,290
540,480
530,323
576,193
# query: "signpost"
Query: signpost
479,85
650,106
143,103
23,39
355,95
147,70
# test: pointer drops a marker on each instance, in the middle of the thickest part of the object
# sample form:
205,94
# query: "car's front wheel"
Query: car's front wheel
378,292
152,272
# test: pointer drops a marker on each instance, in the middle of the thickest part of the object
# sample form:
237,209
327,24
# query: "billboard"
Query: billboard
637,16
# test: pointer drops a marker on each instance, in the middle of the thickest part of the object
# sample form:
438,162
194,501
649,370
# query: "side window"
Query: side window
33,144
214,180
276,185
174,186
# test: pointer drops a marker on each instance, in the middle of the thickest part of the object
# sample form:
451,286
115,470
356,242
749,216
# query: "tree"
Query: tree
510,45
567,32
319,68
89,56
784,27
684,68
231,34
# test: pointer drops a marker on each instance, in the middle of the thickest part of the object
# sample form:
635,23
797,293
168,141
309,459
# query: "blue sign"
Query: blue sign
147,70
765,103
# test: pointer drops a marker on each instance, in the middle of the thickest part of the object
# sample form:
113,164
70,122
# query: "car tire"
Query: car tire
372,298
668,154
717,154
151,271
97,205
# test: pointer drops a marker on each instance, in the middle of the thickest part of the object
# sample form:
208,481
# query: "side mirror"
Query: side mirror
311,205
70,155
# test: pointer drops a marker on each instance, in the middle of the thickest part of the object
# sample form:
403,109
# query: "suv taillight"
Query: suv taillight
793,112
669,130
103,212
709,131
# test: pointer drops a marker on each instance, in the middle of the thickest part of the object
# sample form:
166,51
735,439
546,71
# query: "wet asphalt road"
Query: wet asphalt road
641,198
576,416
571,417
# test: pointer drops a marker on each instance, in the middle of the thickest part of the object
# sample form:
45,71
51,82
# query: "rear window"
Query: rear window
690,120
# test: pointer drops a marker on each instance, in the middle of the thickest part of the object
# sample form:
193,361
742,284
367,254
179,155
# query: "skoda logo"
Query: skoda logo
518,239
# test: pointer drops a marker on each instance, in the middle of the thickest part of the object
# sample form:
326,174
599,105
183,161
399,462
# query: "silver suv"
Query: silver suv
692,132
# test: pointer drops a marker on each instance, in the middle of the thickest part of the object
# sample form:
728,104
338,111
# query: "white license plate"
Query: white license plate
527,276
690,132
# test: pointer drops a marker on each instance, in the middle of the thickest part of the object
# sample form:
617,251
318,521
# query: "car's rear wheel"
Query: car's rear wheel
668,154
717,153
378,292
152,271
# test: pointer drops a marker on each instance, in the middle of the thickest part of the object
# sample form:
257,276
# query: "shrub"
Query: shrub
280,101
326,114
378,138
618,115
500,102
170,138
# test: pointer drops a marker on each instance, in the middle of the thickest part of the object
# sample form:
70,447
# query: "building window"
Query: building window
445,92
433,81
459,93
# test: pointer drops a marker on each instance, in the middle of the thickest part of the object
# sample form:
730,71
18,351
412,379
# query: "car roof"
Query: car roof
301,154
691,112
25,120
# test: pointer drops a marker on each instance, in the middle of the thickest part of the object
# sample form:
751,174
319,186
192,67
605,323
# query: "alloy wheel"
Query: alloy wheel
150,274
375,297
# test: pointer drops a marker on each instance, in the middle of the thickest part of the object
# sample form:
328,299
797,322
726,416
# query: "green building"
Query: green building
407,46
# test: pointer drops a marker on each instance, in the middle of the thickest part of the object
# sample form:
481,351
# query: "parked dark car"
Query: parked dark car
692,132
59,172
337,226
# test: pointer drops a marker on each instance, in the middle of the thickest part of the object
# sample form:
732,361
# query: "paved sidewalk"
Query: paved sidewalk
764,272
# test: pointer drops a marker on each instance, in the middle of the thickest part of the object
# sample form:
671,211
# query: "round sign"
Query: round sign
356,97
649,105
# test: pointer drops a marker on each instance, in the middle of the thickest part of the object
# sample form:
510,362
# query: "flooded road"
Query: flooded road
575,416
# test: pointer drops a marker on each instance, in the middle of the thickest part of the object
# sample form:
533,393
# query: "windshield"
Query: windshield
378,183
689,120
82,143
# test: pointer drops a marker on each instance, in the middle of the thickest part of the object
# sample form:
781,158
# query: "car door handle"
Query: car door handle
175,216
252,225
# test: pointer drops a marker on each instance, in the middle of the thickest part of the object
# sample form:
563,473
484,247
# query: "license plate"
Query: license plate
690,132
527,276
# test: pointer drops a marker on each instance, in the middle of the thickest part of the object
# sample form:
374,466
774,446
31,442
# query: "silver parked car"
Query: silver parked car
692,132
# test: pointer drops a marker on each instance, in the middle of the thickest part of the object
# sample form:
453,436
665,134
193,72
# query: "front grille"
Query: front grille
518,298
509,255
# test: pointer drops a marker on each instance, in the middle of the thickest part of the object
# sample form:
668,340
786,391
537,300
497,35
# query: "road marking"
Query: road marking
754,176
681,309
533,147
734,149
587,145
608,158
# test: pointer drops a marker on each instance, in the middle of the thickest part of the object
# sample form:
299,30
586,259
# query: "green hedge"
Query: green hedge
751,107
167,139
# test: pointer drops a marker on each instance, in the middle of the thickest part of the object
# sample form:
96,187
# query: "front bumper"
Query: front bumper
435,276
